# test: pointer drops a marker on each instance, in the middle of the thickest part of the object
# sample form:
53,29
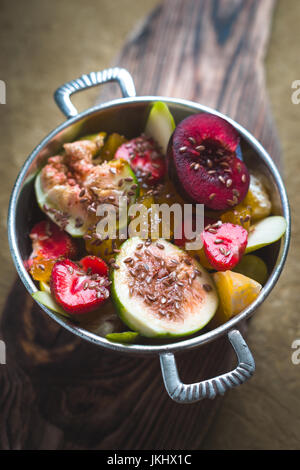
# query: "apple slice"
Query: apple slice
45,298
160,124
265,232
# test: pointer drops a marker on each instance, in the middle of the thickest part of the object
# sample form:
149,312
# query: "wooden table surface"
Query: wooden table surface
246,413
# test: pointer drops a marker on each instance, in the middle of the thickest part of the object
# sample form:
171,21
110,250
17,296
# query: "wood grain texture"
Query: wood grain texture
60,392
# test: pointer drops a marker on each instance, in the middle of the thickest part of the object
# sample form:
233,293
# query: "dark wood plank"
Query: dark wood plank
60,392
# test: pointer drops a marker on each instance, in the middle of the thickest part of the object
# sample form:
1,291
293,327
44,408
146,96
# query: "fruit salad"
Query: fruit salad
105,255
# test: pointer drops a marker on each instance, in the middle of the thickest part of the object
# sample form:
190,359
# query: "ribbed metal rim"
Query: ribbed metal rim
185,344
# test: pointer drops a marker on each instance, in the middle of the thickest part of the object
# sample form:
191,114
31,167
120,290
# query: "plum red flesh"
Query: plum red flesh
202,159
80,288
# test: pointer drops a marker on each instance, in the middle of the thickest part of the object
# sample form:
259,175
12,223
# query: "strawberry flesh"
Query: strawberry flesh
224,245
80,288
145,158
50,242
182,241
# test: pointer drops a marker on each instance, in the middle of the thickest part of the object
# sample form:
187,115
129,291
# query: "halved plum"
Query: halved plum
202,158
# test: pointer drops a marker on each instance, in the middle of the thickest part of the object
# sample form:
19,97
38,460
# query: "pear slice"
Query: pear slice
47,300
254,267
160,124
265,232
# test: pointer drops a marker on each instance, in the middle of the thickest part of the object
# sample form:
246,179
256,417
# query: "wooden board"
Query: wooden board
60,392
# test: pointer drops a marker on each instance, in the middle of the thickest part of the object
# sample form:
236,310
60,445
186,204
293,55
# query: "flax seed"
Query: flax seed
228,183
244,178
182,149
230,202
207,287
160,246
217,224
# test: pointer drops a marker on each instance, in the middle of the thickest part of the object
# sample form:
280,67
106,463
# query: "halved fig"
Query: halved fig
202,158
161,291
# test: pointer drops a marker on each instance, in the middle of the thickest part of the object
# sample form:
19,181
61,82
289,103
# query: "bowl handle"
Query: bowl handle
182,393
63,93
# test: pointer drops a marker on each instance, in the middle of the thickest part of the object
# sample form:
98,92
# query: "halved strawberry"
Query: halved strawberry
145,158
50,242
224,244
80,288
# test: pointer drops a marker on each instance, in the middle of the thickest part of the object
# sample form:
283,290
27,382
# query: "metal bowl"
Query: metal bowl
128,116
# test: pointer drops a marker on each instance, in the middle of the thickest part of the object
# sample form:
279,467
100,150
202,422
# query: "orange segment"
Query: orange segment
104,250
41,269
236,292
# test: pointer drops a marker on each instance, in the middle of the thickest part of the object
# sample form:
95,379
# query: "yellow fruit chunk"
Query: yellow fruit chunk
41,269
240,215
111,145
45,287
105,250
167,194
236,292
97,138
146,200
257,198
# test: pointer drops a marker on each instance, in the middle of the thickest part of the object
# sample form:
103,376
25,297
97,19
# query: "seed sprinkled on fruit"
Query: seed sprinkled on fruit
207,287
